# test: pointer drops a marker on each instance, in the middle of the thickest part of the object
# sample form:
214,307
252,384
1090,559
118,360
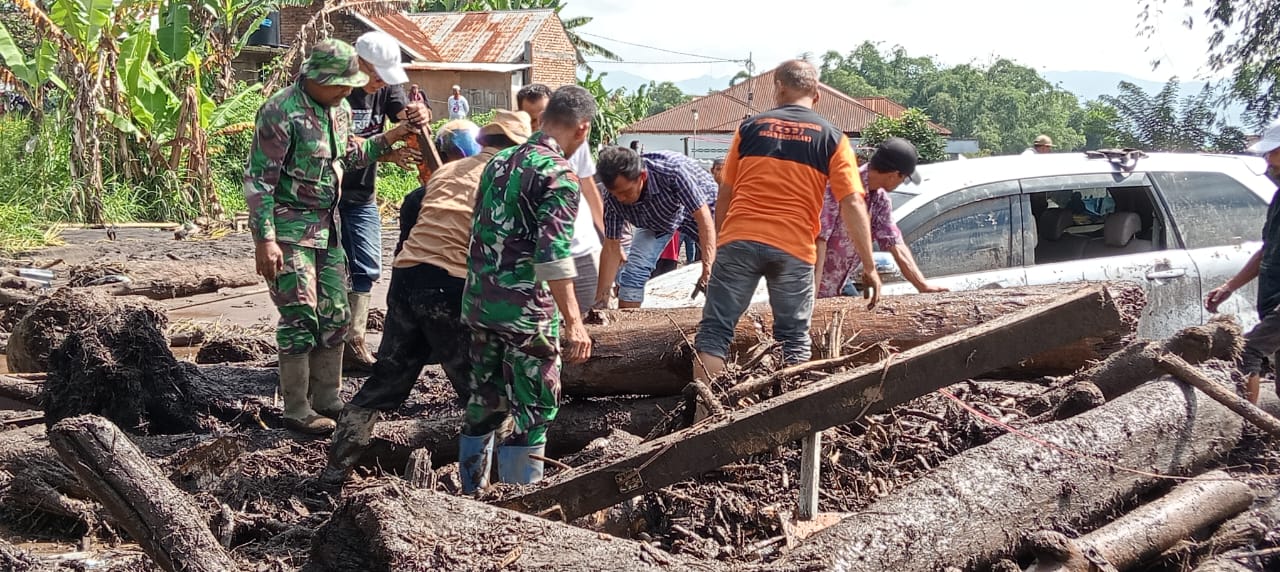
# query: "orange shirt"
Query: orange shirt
779,166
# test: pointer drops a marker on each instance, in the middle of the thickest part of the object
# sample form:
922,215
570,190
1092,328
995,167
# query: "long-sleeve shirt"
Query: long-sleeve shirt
520,239
841,258
675,189
293,175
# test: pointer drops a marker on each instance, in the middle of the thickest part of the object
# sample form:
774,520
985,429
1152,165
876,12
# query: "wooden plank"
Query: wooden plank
837,400
810,467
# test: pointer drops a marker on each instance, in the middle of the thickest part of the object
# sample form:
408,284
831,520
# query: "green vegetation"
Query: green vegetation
913,126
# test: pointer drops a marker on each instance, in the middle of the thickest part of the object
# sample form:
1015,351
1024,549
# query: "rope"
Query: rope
1077,454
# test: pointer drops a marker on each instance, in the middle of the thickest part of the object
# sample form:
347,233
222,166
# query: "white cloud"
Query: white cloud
1058,35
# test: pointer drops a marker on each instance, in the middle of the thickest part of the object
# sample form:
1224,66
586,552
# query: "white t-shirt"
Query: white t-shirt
585,238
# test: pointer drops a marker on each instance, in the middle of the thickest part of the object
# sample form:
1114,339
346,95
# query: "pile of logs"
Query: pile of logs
1135,421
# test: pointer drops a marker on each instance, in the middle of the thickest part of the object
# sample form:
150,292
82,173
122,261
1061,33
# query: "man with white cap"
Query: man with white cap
380,101
1263,341
459,107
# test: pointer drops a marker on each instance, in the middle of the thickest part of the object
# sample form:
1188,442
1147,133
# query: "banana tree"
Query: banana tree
32,75
227,26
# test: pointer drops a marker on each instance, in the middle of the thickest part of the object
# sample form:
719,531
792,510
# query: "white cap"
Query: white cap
383,53
1270,140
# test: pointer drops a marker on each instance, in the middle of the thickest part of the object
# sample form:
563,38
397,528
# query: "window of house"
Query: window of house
975,237
1212,209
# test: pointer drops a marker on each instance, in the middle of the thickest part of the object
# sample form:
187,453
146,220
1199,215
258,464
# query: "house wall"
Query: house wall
483,90
681,143
292,18
555,61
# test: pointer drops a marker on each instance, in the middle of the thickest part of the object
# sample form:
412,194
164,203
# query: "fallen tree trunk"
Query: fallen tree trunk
396,527
1187,373
974,508
1133,365
164,280
578,424
646,352
1242,534
1146,531
19,389
157,515
836,400
14,559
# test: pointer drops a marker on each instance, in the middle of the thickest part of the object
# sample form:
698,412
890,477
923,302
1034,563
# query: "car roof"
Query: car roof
941,178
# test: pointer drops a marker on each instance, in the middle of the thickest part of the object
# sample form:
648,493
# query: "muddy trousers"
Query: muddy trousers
516,376
423,326
1261,344
311,295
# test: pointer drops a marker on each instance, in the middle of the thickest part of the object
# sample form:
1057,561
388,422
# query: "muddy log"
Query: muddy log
159,517
1146,531
646,352
397,527
162,280
14,559
46,324
974,508
1133,365
837,400
1222,393
20,389
578,424
1243,534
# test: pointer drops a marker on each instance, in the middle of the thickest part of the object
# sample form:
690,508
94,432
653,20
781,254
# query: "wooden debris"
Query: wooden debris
1188,374
1146,531
974,508
837,400
157,515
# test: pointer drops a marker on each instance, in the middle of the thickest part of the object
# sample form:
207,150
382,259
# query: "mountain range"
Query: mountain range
1086,85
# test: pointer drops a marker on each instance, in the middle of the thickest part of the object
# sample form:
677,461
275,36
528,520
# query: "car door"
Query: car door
968,239
1166,272
1218,219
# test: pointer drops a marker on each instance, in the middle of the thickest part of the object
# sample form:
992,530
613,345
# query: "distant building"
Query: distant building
719,114
491,55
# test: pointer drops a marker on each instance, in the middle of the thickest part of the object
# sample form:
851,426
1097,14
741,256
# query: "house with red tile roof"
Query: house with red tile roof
490,55
703,127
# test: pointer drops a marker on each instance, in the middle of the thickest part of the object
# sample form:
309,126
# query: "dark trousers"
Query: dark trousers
423,326
1261,344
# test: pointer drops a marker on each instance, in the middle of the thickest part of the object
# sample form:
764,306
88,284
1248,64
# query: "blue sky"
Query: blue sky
1049,35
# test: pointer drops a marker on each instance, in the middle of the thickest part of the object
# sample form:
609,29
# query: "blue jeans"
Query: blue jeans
646,248
362,239
737,271
690,244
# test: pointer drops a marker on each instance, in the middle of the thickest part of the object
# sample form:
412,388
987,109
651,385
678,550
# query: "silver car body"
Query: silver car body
975,224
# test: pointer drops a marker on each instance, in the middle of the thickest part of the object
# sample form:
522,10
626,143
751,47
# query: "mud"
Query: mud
237,347
42,329
377,319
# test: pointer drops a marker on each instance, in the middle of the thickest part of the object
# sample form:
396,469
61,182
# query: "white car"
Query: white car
1179,224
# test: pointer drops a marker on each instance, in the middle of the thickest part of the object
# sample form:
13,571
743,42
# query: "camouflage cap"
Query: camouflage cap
334,62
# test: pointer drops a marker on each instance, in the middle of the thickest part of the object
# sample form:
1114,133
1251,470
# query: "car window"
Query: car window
970,238
1212,209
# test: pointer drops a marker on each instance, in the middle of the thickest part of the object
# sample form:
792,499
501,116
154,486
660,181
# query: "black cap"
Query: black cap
896,154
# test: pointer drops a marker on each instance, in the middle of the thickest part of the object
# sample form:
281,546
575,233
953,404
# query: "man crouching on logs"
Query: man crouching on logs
301,142
427,281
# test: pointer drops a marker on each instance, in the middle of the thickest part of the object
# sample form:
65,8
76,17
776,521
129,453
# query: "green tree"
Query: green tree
1243,44
1163,122
1098,121
616,109
665,95
1229,139
914,127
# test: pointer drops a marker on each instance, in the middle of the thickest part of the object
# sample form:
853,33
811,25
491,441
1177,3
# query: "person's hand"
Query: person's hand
871,286
269,259
601,303
406,157
705,277
417,114
577,343
1216,297
928,288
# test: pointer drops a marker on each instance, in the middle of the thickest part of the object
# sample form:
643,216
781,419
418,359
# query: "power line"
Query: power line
712,59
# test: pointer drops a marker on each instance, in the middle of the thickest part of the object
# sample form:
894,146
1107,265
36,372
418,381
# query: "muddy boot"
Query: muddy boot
358,357
294,383
475,455
326,381
515,466
355,430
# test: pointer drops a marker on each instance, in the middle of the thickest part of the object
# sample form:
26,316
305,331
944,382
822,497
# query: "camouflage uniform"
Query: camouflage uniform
520,237
291,185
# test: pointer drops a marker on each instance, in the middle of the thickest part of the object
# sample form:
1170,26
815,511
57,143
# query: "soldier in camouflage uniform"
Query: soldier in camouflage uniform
302,141
520,271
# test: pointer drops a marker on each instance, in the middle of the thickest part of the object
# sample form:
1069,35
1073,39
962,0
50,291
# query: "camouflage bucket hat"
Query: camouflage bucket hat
334,62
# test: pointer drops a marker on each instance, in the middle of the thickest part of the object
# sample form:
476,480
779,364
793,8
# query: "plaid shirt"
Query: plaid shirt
677,186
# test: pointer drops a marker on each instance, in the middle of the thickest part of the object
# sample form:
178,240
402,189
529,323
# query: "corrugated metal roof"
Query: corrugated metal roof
723,111
466,67
489,37
411,37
